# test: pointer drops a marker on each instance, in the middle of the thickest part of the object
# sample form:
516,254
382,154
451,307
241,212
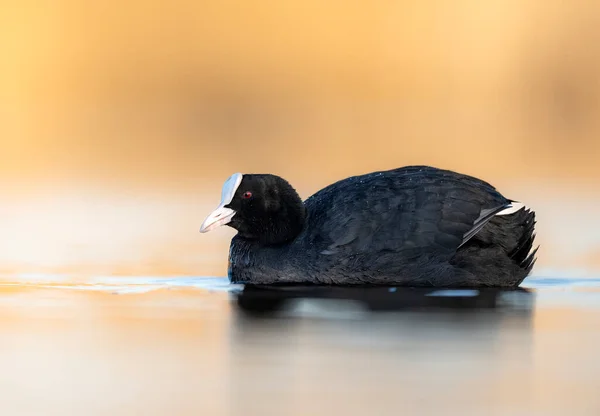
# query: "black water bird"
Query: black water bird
411,226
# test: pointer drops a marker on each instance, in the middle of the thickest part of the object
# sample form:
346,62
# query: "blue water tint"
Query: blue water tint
119,284
455,292
544,282
206,283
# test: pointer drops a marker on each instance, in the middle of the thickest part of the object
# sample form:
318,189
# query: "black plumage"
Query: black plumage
412,226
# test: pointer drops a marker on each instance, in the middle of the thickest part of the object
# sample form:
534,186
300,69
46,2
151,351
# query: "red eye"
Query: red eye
247,195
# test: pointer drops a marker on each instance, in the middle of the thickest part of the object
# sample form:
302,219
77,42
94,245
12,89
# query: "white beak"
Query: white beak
222,215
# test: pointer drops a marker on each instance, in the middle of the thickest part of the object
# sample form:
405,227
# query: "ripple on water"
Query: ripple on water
142,284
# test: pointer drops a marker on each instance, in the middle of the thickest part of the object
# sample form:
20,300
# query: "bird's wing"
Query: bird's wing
485,216
418,219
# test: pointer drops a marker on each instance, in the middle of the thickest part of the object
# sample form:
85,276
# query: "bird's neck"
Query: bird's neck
252,262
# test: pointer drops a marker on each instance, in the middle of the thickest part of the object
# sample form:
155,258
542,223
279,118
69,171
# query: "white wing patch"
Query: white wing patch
514,207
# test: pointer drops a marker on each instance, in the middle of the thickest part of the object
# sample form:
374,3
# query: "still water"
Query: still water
199,346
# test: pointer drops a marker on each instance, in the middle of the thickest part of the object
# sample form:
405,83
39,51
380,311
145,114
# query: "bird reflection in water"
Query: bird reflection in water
276,299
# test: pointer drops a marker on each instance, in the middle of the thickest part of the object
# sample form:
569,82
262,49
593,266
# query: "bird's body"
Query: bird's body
412,226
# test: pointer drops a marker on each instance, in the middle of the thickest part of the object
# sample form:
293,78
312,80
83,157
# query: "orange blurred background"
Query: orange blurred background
119,121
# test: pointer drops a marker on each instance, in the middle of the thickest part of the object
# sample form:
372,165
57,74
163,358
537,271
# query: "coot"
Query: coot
411,226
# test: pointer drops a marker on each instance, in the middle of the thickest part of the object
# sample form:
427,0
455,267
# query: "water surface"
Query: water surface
183,345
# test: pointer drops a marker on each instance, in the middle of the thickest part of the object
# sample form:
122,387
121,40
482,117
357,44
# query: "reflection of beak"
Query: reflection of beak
218,217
